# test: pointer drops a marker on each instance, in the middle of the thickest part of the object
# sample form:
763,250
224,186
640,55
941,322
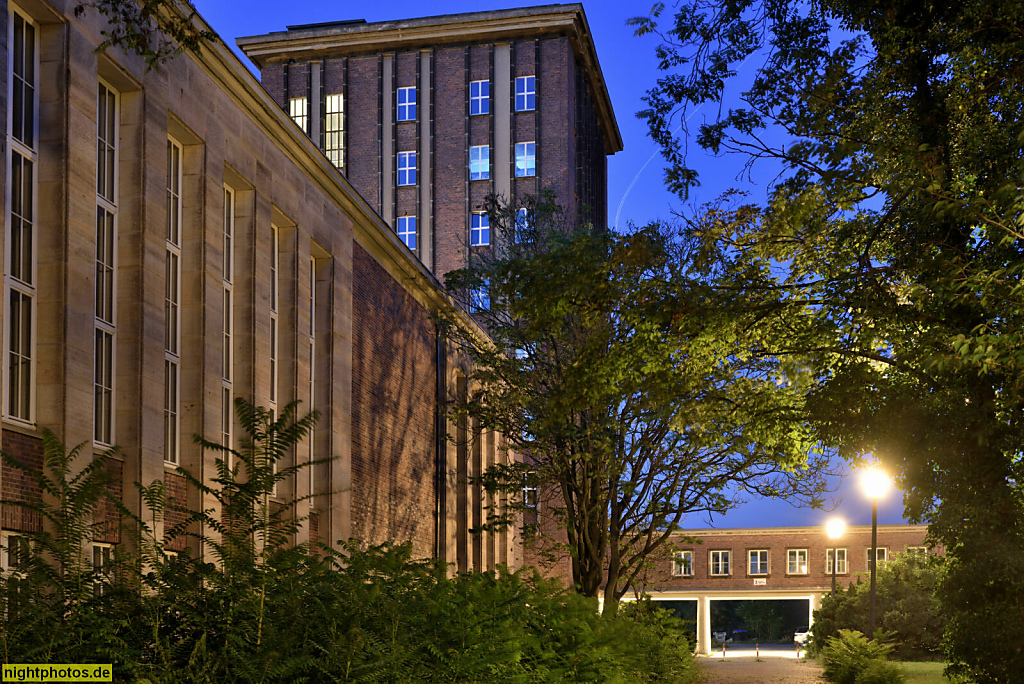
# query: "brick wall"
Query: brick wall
451,160
19,485
177,491
363,120
393,387
106,513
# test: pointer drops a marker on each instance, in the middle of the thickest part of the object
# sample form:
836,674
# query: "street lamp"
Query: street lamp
875,484
835,529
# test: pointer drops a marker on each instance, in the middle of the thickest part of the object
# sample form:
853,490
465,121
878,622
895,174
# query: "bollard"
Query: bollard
757,650
723,650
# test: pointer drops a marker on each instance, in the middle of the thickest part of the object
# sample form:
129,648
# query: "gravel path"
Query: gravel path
768,671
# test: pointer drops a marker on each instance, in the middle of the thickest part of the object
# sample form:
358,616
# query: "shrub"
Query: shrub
272,611
852,658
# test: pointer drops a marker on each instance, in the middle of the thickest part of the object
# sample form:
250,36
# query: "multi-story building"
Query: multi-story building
172,241
426,117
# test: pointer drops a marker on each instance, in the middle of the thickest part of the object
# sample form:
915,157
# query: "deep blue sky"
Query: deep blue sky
630,68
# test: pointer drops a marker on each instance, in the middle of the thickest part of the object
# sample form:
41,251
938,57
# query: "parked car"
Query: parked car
802,635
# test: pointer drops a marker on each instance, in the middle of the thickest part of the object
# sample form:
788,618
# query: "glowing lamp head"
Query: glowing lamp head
875,483
835,528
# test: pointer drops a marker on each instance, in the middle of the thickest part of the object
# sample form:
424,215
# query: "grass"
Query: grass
924,672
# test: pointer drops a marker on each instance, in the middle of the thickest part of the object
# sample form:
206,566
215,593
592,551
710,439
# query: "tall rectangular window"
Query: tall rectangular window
526,93
479,230
407,231
20,266
334,129
228,321
719,563
298,109
682,564
106,249
479,97
407,168
479,162
312,369
275,287
883,555
172,305
526,159
480,297
406,104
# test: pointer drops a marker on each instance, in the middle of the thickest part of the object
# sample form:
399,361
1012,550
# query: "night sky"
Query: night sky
635,192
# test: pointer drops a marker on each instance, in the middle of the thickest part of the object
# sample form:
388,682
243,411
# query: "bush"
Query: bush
907,607
852,658
271,611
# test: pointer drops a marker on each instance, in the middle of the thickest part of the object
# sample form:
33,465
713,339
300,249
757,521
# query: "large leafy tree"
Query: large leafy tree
633,399
892,244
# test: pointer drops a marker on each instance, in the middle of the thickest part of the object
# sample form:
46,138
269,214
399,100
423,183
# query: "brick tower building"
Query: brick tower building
426,117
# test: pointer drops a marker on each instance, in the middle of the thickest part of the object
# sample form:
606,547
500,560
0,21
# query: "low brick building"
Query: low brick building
173,241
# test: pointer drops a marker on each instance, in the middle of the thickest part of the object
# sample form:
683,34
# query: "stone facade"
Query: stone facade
319,302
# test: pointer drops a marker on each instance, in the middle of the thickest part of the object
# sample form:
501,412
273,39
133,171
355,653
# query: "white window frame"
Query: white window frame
298,110
26,289
102,557
479,229
406,110
526,93
682,564
334,129
172,306
762,568
479,98
479,162
722,559
842,556
881,557
526,159
480,297
406,168
530,490
793,562
105,347
5,541
406,230
916,550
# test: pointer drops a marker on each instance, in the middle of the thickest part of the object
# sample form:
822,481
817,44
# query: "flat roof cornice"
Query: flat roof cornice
450,29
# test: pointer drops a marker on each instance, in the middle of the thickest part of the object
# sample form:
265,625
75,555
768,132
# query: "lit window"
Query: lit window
407,168
480,231
407,231
526,159
530,490
682,564
758,562
917,550
102,563
407,104
298,108
479,97
20,272
480,297
718,563
334,130
479,162
840,556
526,91
796,563
16,553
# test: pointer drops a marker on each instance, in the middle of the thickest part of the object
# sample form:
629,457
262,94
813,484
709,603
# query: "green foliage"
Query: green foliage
636,399
257,607
156,30
886,259
852,658
907,607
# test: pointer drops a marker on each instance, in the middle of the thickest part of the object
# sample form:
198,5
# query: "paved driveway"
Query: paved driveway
748,670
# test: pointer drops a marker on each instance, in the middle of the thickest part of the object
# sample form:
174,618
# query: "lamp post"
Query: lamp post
875,484
835,529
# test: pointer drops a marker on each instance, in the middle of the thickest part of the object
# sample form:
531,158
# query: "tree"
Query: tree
891,243
156,30
635,402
